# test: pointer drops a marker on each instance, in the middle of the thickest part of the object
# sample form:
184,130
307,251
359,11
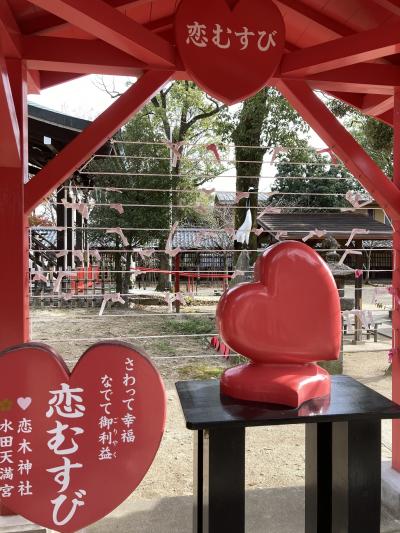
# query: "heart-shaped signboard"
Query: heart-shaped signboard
230,49
75,446
290,314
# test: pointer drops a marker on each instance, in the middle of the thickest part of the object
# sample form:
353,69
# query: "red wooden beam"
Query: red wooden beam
364,77
108,24
34,82
357,101
10,41
92,138
375,105
9,128
51,79
80,56
387,117
358,48
42,23
14,309
396,287
393,6
318,17
354,157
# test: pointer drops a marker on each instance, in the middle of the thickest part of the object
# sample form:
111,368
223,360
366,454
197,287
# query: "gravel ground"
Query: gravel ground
171,473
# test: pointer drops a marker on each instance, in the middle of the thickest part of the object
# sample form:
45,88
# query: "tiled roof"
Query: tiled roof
201,239
338,225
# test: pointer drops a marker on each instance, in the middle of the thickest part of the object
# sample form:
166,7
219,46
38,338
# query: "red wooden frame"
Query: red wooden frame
134,37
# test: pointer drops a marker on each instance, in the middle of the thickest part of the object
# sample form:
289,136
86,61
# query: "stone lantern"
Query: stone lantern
339,272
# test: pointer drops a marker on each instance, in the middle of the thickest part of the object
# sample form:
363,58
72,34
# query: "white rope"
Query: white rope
92,228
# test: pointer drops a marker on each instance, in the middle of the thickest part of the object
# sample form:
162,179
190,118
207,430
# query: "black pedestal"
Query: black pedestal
343,455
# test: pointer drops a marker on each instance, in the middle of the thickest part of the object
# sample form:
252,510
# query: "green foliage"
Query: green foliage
189,326
303,162
374,136
180,112
163,347
200,371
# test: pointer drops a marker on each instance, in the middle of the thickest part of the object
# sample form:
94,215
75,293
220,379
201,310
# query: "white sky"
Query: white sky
81,98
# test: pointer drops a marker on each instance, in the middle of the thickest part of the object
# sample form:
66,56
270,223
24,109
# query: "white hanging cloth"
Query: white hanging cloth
243,233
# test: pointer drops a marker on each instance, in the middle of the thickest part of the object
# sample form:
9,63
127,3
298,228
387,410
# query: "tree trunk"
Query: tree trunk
164,280
248,132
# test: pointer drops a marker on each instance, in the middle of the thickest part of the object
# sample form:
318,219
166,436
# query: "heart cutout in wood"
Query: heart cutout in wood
231,52
290,314
87,439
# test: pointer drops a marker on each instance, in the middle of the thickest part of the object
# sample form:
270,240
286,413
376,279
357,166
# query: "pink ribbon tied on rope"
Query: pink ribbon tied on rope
119,232
95,254
354,198
82,208
61,253
230,231
199,238
270,211
240,195
331,153
79,255
354,232
175,149
117,207
346,253
136,273
208,191
201,209
38,276
145,254
238,274
172,298
315,233
168,247
61,275
279,234
114,298
66,296
394,292
214,149
277,151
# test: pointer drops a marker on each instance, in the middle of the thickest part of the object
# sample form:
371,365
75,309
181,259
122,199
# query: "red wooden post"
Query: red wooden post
14,310
396,287
177,281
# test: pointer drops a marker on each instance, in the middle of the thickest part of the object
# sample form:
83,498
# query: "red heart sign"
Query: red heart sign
230,52
75,446
290,314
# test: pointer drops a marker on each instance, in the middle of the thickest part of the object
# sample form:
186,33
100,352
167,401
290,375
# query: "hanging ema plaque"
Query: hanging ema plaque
75,446
230,48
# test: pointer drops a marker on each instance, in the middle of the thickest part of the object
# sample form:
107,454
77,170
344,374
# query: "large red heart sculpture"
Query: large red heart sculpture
231,52
75,446
291,314
288,318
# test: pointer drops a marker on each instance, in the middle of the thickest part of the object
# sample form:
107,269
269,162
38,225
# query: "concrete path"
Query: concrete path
267,510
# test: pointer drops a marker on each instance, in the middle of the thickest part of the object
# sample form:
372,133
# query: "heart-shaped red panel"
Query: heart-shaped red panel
231,52
290,314
73,447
